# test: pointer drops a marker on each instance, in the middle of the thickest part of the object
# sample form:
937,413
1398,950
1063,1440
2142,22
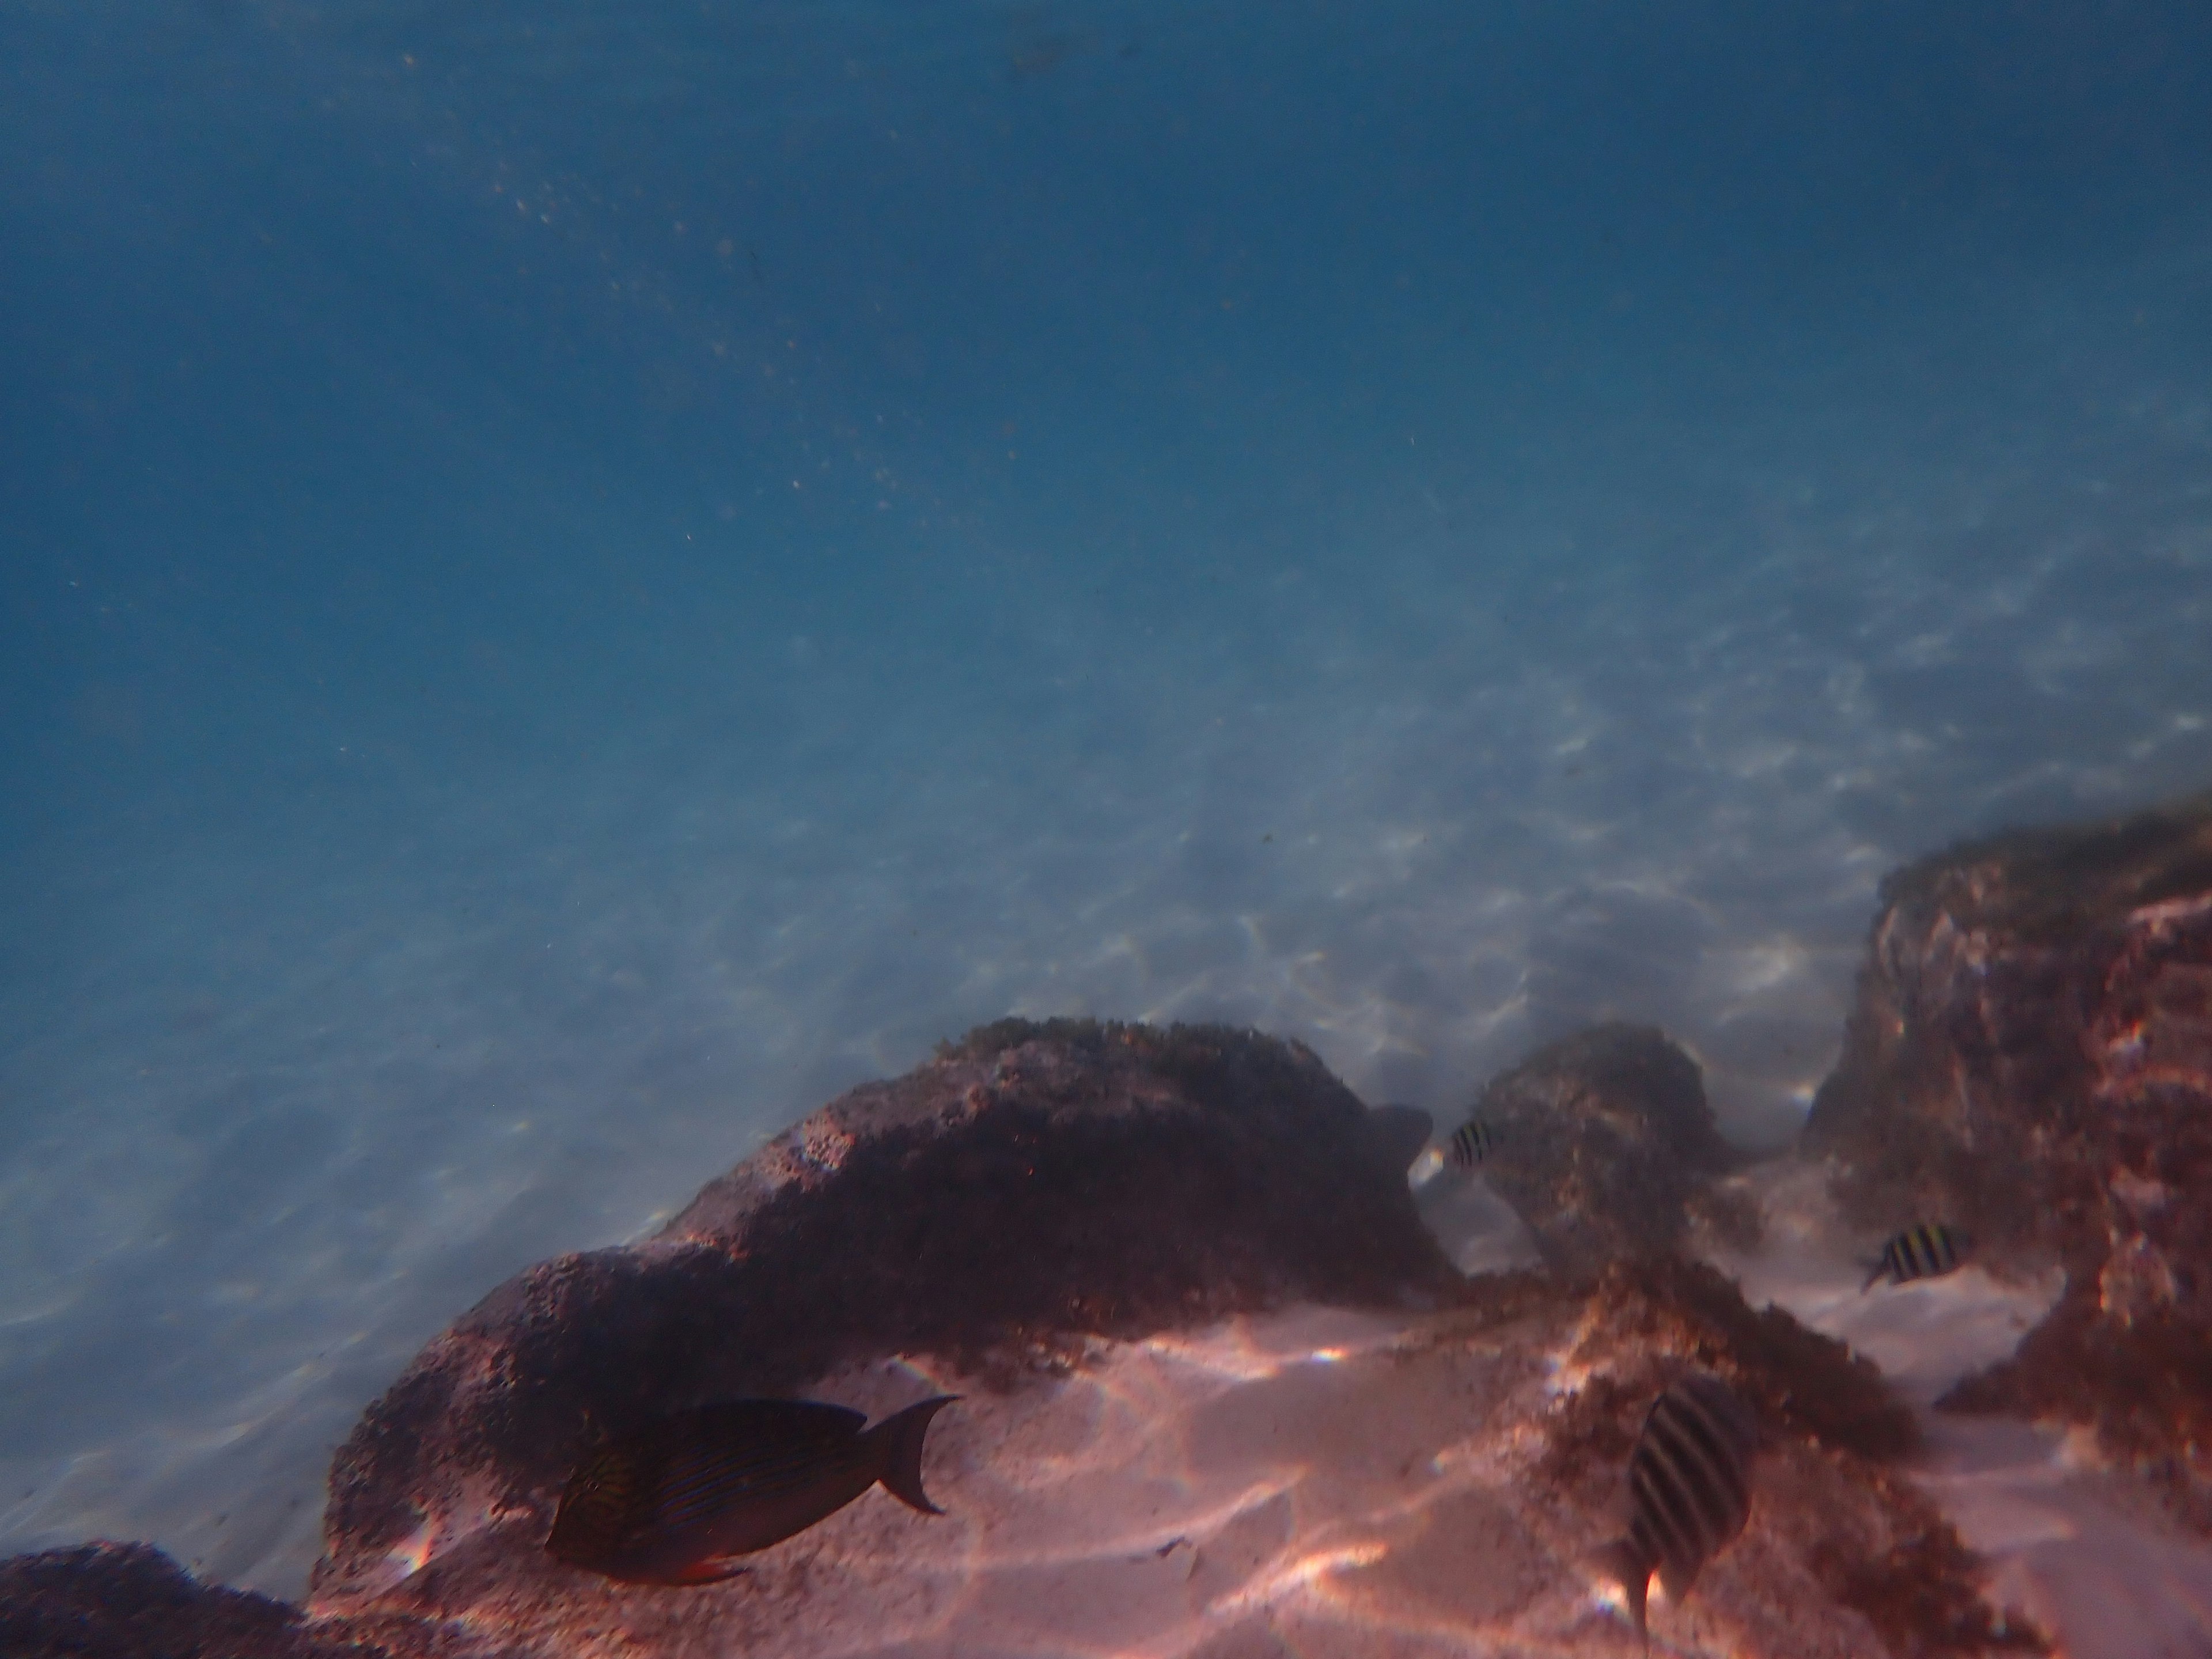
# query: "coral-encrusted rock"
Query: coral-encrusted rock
2032,1056
1245,1469
1032,1184
1606,1148
130,1601
1842,1554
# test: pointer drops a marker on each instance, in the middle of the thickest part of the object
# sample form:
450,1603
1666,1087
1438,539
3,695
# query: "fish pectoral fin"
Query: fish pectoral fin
713,1570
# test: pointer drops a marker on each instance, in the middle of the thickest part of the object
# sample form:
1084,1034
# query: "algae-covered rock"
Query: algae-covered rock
1843,1554
1030,1187
2031,1058
106,1601
1221,1391
1606,1148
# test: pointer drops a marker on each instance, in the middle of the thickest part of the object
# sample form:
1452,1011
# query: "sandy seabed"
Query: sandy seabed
1318,1481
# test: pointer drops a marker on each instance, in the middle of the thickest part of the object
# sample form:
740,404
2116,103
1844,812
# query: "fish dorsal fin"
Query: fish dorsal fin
712,1570
797,1420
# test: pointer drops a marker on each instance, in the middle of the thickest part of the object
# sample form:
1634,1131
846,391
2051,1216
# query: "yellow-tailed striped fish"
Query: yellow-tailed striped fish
1926,1251
1689,1489
1472,1142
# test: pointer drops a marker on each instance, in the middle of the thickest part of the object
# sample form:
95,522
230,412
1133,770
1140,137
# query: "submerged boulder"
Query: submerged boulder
106,1601
1607,1149
1033,1186
1843,1553
1223,1395
2031,1058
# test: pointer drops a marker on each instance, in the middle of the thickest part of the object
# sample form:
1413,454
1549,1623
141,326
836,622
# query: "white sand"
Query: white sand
1314,1482
1325,1482
1321,1482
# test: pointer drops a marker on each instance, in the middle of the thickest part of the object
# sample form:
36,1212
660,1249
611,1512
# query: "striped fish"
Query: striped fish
1689,1489
672,1503
1472,1142
1928,1251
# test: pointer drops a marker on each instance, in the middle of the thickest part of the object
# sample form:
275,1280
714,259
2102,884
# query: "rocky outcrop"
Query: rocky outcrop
1607,1149
2031,1057
130,1601
1032,1187
1846,1555
1064,1222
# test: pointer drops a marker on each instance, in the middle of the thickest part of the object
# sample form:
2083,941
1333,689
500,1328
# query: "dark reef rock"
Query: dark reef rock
1829,1499
1606,1148
106,1601
1797,1380
2145,1383
2031,1056
1032,1190
1031,1185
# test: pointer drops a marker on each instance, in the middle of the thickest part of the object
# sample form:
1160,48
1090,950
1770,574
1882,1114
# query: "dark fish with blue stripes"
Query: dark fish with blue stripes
1689,1489
1928,1251
675,1502
1472,1142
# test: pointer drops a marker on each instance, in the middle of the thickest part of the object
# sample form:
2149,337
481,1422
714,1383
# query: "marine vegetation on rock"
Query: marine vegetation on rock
2031,1057
1607,1150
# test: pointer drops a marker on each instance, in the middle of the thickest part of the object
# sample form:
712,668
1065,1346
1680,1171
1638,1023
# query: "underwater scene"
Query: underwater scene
1232,830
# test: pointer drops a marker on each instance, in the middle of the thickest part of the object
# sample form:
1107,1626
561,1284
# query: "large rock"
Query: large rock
1113,1240
106,1601
2031,1056
1843,1554
1607,1149
1033,1186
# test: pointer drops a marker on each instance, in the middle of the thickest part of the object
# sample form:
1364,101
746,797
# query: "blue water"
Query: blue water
578,578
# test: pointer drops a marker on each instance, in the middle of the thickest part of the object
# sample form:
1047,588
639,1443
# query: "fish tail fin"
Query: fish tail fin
1676,1582
900,1436
1622,1561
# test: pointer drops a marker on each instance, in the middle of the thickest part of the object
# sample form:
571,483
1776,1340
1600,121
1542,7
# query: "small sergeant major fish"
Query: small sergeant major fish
1472,1142
674,1503
1926,1251
1689,1489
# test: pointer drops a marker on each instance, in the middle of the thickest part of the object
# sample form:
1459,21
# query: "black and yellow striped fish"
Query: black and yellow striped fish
1689,1489
1928,1251
1472,1142
672,1503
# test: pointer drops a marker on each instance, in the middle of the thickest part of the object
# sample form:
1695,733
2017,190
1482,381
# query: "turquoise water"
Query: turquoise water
580,579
